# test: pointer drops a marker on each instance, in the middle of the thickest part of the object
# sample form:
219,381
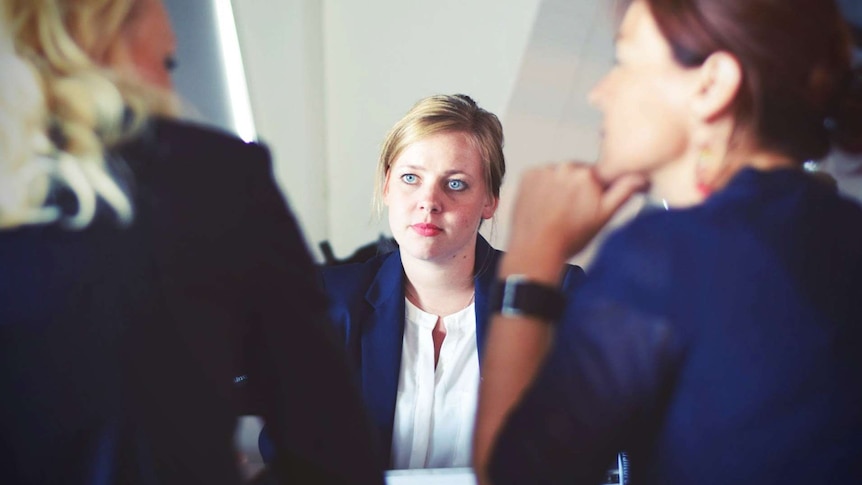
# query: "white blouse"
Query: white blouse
435,409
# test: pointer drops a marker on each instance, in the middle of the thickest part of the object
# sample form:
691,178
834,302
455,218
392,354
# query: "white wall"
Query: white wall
282,50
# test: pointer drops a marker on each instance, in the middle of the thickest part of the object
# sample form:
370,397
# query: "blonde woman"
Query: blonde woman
414,320
145,264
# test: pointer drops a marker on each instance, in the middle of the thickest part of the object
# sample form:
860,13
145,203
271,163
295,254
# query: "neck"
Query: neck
440,288
676,182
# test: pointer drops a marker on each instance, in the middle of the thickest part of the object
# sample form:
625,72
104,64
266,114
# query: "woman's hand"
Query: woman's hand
558,211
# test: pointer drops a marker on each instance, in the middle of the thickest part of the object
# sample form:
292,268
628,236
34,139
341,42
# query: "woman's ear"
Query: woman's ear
490,207
720,78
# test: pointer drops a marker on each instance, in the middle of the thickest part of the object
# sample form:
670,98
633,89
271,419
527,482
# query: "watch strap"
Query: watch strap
519,296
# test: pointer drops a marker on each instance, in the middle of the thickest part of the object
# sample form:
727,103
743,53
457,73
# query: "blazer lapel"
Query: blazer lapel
382,336
485,271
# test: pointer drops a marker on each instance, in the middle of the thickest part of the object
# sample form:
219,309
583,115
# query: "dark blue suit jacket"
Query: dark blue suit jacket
717,344
119,346
367,309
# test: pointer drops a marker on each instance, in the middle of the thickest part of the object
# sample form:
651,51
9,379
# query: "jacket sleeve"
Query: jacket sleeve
300,377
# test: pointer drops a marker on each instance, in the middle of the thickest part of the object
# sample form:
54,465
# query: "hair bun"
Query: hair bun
466,98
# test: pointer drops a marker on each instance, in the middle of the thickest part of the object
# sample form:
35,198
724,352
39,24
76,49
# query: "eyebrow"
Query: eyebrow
417,168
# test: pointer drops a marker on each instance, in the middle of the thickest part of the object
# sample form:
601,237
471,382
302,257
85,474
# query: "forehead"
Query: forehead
451,150
638,28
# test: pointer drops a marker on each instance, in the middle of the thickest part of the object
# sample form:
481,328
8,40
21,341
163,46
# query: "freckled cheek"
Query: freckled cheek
469,218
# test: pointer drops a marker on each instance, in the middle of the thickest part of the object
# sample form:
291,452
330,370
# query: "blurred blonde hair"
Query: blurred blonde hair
445,113
62,109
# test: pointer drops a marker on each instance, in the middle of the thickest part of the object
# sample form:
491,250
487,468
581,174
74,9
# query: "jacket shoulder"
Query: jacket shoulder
347,283
179,145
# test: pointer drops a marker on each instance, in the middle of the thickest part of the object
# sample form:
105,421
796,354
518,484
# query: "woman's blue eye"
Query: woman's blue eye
409,178
457,184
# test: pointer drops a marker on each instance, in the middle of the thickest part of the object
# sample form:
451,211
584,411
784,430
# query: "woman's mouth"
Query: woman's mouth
424,229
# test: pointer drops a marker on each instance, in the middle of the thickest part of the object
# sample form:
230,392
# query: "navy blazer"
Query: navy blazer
367,309
119,345
717,344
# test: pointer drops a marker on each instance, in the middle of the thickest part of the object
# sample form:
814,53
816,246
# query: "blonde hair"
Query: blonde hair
445,114
64,109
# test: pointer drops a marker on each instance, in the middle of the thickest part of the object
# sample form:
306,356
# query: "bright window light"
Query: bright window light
240,105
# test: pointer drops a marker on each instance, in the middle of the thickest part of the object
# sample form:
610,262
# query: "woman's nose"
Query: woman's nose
429,199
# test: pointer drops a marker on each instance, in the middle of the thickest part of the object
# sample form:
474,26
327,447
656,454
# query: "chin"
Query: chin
608,170
418,249
421,255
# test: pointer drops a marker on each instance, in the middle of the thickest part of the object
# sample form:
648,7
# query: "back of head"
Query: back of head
81,106
441,114
800,95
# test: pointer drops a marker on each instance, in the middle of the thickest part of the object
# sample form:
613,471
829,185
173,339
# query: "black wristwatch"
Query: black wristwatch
519,296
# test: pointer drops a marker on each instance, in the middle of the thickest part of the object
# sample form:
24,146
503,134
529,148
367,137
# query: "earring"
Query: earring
704,163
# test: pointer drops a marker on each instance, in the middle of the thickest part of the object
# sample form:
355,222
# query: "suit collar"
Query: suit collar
388,283
382,335
386,297
484,274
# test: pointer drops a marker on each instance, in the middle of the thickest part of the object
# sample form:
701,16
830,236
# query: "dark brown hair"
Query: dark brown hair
799,94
